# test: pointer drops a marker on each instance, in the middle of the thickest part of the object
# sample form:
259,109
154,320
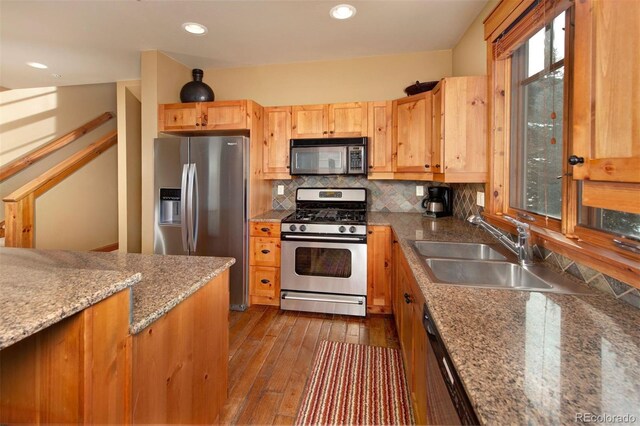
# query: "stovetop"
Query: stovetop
327,216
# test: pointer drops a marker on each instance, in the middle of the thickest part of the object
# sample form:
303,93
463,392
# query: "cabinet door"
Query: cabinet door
348,119
264,287
173,117
275,150
437,132
405,330
606,95
463,129
412,121
380,123
264,251
309,121
379,270
224,115
419,389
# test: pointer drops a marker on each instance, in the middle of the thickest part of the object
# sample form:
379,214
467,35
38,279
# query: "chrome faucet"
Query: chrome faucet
521,248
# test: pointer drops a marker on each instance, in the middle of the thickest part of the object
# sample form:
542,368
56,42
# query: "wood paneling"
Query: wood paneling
275,151
623,197
180,361
379,269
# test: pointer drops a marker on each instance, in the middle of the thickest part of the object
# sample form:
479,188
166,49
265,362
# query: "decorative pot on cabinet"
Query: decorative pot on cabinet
196,90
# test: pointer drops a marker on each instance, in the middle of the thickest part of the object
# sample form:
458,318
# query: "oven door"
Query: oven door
319,160
336,265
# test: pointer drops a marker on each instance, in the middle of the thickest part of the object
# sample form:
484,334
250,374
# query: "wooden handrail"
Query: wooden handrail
20,204
23,162
2,229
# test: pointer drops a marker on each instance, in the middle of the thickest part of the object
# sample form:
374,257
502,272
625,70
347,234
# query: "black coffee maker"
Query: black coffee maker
438,202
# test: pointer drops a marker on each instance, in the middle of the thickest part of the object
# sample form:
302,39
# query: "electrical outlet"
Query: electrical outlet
419,234
480,199
419,191
280,189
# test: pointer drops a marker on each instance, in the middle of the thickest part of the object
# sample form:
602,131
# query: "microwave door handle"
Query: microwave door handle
183,208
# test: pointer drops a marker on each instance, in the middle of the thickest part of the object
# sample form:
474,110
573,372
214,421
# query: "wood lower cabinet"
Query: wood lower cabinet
459,140
264,263
379,269
412,137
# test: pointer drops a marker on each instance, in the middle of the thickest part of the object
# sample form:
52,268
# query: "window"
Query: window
537,105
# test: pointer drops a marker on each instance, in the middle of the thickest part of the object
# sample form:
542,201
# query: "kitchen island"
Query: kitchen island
525,357
112,337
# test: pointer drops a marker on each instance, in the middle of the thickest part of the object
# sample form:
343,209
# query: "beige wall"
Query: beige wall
470,54
359,79
81,212
129,172
161,81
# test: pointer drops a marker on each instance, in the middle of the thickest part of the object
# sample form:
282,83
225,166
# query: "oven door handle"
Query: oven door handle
319,238
313,299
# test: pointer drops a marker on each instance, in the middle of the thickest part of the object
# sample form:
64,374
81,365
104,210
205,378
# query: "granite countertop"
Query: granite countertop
528,357
272,216
158,284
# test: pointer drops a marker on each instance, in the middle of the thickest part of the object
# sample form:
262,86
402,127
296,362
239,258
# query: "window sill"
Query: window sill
623,268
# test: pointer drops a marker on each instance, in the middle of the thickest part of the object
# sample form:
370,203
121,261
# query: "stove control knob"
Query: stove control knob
352,229
292,228
342,229
303,228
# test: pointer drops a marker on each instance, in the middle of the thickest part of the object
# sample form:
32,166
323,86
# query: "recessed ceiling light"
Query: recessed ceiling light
342,11
37,65
194,28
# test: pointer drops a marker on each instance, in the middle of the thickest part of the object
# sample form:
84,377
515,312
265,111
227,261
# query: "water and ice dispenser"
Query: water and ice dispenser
170,206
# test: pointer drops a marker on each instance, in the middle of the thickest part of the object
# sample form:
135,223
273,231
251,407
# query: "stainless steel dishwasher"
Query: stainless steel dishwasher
447,400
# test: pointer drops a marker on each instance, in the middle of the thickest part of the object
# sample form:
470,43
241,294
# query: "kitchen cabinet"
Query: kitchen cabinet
329,120
198,116
379,269
412,119
264,263
275,149
606,95
380,122
459,133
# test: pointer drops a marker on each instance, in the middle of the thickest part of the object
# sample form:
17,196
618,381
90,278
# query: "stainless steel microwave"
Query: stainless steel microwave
335,156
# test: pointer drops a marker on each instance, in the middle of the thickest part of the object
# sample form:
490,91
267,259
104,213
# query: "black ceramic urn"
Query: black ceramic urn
196,90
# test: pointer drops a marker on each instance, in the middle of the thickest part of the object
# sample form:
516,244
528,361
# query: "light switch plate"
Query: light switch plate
480,199
419,191
280,189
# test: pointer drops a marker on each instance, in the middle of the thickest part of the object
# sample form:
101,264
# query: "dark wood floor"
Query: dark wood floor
270,356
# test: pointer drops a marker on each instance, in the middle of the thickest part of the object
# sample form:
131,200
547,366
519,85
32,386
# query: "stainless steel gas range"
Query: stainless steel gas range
324,252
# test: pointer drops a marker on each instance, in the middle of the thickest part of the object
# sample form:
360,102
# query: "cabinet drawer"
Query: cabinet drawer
265,282
265,229
265,251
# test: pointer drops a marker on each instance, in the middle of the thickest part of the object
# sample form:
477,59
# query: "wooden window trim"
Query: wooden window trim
587,246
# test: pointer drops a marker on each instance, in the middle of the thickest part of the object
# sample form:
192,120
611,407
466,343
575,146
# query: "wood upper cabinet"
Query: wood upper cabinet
380,123
327,121
459,134
275,149
222,115
412,135
379,269
606,95
309,121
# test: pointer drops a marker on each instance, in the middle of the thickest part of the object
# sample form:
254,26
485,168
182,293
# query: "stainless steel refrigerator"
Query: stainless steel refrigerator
201,187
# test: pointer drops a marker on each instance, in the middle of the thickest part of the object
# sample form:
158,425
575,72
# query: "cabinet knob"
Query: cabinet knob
370,232
371,167
575,160
437,166
265,281
331,132
265,251
324,133
197,124
407,298
264,229
426,166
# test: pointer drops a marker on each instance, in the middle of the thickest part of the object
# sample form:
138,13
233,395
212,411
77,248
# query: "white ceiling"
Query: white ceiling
88,41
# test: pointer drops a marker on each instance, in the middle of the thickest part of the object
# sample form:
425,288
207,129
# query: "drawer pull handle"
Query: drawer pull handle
264,229
265,281
265,251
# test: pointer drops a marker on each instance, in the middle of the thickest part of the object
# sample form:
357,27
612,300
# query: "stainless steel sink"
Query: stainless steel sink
500,275
458,250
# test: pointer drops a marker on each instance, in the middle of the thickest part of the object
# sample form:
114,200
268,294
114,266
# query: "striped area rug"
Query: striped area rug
355,385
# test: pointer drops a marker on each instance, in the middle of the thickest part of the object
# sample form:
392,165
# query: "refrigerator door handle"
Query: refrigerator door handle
183,208
192,207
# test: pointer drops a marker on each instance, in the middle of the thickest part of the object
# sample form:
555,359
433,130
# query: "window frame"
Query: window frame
592,247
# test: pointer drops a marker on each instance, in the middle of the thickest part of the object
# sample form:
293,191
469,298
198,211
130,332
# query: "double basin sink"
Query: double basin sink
488,266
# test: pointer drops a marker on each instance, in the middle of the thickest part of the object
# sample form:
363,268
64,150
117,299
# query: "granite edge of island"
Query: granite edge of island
139,325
